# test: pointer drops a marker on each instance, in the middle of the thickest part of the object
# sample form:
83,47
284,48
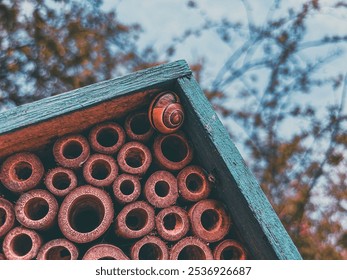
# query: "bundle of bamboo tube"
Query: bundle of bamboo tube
130,191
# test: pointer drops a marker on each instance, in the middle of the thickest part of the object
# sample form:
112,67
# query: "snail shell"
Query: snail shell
166,112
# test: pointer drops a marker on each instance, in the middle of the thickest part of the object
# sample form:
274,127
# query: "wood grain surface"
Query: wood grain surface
33,125
253,216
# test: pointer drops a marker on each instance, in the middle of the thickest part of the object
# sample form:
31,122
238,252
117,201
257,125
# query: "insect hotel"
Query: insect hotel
137,167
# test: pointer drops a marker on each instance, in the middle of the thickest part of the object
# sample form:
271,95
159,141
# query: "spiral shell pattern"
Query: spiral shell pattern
166,114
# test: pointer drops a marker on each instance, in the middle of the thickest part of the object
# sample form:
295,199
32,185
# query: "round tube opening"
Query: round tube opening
162,188
72,149
86,214
61,181
21,244
174,149
192,252
127,187
136,219
230,253
58,253
23,171
100,169
36,208
135,158
139,124
107,137
150,251
3,217
172,221
209,219
194,182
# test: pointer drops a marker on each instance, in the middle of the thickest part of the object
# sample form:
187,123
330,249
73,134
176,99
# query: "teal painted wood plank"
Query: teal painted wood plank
257,223
54,106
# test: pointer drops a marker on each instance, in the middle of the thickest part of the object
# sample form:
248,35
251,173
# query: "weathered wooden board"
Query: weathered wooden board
33,125
38,135
251,212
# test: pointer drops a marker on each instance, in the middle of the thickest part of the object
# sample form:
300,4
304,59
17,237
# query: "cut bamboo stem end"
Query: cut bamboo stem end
37,209
71,151
149,248
7,216
173,151
107,138
172,223
21,244
135,220
229,250
190,248
100,170
134,158
105,252
58,249
21,172
138,127
126,188
161,189
209,220
150,165
85,214
60,181
193,183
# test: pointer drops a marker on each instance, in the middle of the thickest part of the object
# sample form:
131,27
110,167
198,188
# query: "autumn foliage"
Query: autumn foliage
266,93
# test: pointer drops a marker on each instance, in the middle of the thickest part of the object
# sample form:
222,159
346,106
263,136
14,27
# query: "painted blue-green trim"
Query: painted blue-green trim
255,220
78,99
253,215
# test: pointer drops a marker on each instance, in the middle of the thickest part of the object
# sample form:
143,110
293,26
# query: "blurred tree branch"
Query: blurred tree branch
295,146
268,92
48,47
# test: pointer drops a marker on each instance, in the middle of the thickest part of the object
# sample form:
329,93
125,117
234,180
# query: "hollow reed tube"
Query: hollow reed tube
21,244
71,151
58,249
37,209
149,248
172,223
138,127
7,216
105,252
193,183
209,220
60,181
172,151
85,214
21,172
229,250
107,138
100,170
190,248
126,188
134,158
161,189
135,220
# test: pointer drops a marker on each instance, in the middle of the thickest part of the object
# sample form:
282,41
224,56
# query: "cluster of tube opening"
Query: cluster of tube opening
141,192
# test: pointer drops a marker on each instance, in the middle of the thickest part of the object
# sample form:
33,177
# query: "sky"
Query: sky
169,20
164,20
172,18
